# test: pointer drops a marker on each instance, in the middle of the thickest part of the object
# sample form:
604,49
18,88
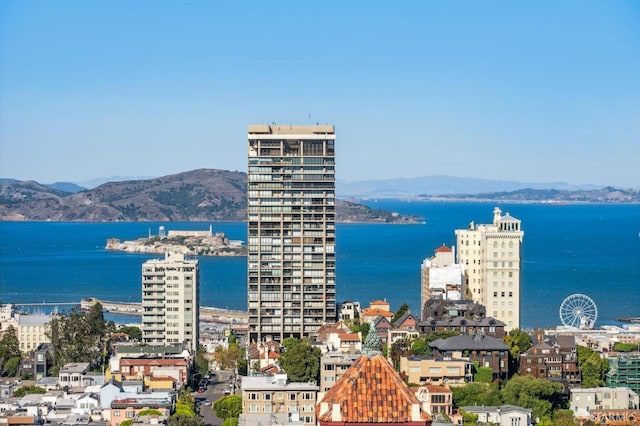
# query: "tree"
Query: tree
79,337
420,346
593,367
541,395
227,358
300,361
27,390
11,366
519,342
9,352
201,362
184,420
363,329
476,394
228,407
483,374
400,312
133,332
398,349
564,418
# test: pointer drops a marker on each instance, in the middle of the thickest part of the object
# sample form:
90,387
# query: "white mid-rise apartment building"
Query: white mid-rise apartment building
441,277
491,257
170,301
291,230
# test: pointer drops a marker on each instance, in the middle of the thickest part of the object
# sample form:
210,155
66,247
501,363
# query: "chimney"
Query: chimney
336,413
415,412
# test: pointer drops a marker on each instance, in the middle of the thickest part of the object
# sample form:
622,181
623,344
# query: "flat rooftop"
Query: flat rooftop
288,129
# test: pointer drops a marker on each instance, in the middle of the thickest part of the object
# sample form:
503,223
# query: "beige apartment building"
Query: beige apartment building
491,255
291,230
426,370
273,399
170,301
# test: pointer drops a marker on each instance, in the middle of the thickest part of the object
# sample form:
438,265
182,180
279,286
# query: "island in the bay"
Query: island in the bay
194,243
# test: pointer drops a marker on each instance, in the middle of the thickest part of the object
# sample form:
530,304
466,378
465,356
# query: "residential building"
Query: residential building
624,370
291,230
371,392
491,256
128,408
32,330
461,316
349,311
486,351
584,401
425,370
279,399
170,301
553,358
503,415
376,309
436,399
75,375
441,277
333,365
405,327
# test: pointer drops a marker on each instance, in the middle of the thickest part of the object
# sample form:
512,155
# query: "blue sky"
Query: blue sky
540,91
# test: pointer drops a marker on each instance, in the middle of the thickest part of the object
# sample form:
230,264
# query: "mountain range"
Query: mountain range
208,194
198,195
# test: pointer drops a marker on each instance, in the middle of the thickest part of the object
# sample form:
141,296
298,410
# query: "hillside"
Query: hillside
601,195
199,195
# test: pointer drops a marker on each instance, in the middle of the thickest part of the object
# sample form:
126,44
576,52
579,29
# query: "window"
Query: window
253,396
292,397
116,413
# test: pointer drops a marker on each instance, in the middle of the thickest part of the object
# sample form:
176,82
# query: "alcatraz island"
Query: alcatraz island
193,243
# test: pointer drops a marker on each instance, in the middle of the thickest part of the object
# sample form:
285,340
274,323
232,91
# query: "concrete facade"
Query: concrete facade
491,255
170,301
291,230
275,395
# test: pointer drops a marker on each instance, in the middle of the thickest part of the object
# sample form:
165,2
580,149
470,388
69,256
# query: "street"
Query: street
215,390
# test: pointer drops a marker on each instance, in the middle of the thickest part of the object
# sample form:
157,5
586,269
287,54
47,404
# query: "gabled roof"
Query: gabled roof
443,249
381,322
398,323
371,391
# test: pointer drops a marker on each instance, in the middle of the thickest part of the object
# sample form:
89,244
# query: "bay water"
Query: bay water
593,249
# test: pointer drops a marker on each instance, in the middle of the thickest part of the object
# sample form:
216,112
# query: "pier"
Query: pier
135,308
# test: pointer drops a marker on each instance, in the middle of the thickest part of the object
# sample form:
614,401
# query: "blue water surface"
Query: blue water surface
590,249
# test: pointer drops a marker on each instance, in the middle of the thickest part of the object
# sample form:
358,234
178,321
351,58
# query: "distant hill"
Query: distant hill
410,187
66,187
199,195
601,195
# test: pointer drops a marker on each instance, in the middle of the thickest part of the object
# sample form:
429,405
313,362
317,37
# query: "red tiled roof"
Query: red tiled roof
153,362
371,312
349,337
378,302
443,249
438,389
371,391
274,355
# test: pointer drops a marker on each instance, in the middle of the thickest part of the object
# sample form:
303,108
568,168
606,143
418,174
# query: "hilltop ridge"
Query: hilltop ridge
198,195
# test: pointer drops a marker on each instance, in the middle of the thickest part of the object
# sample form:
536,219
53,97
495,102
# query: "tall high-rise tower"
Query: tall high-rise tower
170,301
491,258
291,230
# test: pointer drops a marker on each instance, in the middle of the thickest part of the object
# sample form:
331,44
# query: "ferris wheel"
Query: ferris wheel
579,311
